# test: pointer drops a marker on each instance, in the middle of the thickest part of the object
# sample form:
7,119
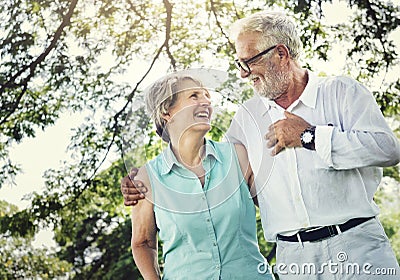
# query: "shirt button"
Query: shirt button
217,266
208,219
215,243
203,198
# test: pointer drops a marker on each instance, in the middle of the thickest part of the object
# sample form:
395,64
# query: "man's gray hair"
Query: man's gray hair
161,96
274,27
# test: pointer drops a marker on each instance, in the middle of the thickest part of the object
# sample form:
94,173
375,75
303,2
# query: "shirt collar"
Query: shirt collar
170,160
268,104
308,97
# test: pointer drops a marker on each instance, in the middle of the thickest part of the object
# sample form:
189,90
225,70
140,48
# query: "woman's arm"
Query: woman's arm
144,233
246,170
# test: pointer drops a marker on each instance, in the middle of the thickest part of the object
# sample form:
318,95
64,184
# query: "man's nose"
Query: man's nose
243,73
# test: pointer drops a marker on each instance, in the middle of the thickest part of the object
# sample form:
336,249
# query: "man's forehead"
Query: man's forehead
246,45
245,48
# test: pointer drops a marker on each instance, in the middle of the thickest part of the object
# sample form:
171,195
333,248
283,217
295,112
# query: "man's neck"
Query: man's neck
296,88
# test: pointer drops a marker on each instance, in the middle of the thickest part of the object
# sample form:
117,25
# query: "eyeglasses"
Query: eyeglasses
244,64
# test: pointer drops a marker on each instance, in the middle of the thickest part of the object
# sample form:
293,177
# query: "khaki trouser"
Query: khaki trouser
362,252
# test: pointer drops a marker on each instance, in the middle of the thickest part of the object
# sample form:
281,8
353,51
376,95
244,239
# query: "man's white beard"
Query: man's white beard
276,85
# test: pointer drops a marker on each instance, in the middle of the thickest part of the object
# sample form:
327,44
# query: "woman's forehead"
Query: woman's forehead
186,84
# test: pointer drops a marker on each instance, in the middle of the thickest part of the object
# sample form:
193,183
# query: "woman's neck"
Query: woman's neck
189,150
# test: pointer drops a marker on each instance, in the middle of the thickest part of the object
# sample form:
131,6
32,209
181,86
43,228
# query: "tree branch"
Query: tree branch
165,45
115,131
116,118
219,24
32,67
168,8
141,17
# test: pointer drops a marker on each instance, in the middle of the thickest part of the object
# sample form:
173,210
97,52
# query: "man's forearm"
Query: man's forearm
356,149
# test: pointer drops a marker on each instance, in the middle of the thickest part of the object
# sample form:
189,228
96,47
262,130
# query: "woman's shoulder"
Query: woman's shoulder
159,162
225,149
220,144
143,176
240,148
222,149
241,153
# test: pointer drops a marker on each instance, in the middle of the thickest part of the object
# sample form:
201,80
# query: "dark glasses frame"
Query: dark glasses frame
244,64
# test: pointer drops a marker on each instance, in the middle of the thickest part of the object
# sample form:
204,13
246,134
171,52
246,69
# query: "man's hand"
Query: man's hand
285,133
131,189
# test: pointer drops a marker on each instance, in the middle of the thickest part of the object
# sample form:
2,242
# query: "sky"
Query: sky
48,148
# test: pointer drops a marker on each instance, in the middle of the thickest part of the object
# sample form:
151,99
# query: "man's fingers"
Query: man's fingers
132,190
133,173
290,115
138,184
269,134
134,170
271,137
271,143
129,186
133,197
277,149
130,202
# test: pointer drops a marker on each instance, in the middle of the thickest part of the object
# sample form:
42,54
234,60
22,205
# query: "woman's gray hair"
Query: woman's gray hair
275,28
161,96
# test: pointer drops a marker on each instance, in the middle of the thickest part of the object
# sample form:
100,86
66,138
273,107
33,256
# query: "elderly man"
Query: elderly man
323,143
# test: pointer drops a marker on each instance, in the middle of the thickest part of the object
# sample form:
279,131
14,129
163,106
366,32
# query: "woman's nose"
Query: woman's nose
205,100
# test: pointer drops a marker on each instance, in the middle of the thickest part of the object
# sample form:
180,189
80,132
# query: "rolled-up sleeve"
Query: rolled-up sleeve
363,137
323,136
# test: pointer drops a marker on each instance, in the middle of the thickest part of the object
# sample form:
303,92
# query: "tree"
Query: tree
18,259
77,55
389,200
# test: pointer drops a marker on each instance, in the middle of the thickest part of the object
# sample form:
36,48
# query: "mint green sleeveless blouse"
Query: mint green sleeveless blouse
207,232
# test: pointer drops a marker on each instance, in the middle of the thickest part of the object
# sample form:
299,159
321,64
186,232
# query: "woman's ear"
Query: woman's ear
166,116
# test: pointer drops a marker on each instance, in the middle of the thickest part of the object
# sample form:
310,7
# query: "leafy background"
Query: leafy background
94,58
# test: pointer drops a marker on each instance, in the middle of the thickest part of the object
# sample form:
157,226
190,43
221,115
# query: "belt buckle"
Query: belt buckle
331,232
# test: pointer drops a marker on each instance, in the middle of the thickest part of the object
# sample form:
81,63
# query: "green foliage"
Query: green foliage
389,99
220,125
154,146
19,260
392,172
265,247
94,230
389,201
73,55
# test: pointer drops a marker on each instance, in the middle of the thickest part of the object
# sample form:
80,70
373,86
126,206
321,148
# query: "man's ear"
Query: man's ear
283,52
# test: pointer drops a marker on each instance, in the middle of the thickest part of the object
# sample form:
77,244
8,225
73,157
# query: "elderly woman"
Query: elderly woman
198,197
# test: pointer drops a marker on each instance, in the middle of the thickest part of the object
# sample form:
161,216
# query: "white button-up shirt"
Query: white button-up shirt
300,188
